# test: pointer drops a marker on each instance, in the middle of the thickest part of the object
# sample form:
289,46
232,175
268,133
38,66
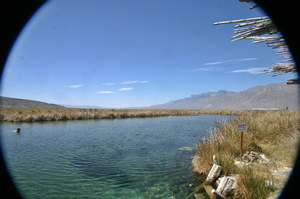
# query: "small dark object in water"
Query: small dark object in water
18,130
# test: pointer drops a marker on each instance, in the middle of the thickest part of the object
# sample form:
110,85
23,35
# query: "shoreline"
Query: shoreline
64,114
272,135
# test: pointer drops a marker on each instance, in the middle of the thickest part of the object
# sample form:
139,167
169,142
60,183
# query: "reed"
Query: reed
58,114
274,133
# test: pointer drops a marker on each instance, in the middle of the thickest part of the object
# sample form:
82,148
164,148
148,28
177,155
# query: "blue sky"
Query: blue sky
134,53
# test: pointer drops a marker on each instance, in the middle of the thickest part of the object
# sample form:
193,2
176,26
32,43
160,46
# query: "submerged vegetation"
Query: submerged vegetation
60,114
273,133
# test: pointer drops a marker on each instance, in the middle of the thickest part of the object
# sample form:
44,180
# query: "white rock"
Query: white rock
240,164
214,159
264,157
270,184
287,171
274,197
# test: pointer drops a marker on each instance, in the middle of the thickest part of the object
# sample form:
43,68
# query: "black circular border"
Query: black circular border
16,13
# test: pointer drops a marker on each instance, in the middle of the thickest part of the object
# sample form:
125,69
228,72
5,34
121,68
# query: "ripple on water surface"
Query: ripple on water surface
121,158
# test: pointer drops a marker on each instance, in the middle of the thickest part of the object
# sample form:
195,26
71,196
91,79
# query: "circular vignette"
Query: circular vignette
16,13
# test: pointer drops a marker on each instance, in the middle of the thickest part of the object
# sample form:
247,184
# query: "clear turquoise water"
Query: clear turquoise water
120,158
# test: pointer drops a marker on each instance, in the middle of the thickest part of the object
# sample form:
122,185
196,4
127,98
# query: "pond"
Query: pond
117,158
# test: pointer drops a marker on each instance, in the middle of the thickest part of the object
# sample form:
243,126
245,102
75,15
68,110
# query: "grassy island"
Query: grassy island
272,133
60,114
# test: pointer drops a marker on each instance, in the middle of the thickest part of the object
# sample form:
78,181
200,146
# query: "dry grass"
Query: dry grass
57,114
251,184
273,132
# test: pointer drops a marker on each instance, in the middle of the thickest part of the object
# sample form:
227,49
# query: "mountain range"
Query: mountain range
269,96
83,106
276,96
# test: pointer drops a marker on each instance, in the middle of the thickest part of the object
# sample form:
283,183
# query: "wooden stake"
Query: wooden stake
241,145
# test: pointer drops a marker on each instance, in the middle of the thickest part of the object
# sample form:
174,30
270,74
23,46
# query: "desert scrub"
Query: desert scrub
57,114
273,133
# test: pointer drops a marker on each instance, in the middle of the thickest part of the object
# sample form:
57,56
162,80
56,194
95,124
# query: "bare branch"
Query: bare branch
254,28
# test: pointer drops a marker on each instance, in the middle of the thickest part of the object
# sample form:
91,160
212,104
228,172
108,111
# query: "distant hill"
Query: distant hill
22,103
269,96
84,106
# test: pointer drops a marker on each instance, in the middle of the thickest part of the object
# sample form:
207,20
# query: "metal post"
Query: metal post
241,145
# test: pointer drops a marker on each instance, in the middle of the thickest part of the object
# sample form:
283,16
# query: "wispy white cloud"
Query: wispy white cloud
129,82
109,84
212,68
249,70
73,86
221,62
133,82
125,89
213,63
104,92
246,59
209,68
